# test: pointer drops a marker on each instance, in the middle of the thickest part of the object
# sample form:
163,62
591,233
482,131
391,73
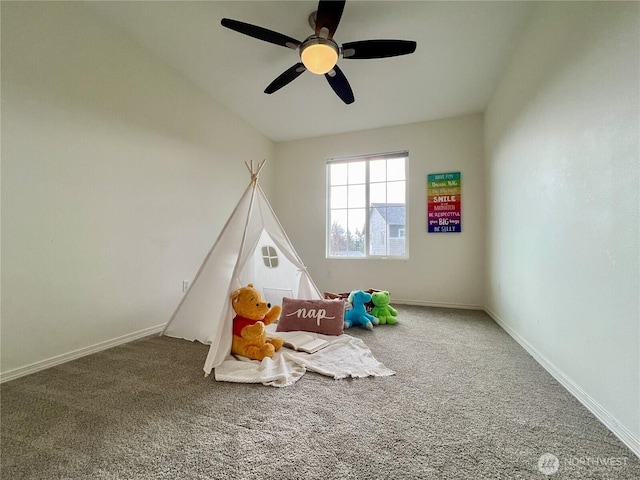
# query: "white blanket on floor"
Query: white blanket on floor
344,357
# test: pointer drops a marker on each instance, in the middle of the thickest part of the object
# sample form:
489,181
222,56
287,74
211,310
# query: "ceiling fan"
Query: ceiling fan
319,52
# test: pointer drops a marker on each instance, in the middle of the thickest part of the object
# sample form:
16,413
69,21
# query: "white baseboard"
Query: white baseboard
82,352
420,303
628,438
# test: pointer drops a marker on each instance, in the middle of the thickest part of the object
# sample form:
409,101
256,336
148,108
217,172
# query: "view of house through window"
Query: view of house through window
367,211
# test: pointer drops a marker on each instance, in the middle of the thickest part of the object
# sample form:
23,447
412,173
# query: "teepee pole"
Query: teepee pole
252,187
256,173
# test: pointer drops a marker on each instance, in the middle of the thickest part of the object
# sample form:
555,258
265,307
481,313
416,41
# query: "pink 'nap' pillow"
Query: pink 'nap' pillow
317,316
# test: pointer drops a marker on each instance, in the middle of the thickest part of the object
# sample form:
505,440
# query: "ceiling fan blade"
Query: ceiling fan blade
340,85
328,16
261,33
285,78
377,48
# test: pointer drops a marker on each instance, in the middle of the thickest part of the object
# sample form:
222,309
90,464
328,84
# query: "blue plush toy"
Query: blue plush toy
358,314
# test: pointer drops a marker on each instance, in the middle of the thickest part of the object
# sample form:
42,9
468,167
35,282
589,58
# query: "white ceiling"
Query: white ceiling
463,48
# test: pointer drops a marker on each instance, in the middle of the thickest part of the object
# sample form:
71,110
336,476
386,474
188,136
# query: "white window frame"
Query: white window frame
367,233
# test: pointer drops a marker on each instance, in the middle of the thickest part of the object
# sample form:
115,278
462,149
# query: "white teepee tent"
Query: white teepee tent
252,248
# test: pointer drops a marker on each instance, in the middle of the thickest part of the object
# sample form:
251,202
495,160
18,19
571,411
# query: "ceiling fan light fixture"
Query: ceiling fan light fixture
319,55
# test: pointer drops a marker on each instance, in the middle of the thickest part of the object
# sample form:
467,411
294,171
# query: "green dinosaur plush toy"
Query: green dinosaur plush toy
382,310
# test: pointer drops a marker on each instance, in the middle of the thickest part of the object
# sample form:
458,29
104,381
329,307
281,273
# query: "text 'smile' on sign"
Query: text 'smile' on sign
444,195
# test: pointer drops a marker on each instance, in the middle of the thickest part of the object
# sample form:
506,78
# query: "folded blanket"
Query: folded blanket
276,372
346,356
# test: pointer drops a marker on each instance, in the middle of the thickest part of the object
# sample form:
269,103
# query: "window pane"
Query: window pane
378,193
378,229
356,232
338,173
395,215
338,197
396,219
395,169
339,217
386,229
338,233
356,219
396,192
357,196
377,170
357,172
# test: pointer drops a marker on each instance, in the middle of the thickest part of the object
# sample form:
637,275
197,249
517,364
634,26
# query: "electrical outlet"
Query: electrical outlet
329,274
185,285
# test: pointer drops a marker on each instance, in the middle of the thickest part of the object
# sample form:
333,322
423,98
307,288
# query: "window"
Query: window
270,257
367,211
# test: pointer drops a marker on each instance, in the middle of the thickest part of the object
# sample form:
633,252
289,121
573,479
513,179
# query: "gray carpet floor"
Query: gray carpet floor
467,402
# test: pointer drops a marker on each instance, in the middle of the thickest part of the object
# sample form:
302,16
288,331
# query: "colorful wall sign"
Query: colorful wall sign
444,195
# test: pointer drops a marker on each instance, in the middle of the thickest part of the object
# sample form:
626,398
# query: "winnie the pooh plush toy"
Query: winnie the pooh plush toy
382,310
252,314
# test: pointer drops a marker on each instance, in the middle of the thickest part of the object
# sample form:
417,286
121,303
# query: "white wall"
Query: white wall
562,192
117,174
443,269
